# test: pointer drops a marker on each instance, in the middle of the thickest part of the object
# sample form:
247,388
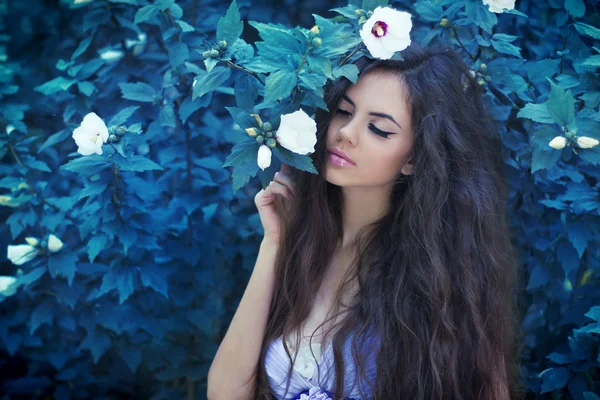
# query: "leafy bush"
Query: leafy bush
137,256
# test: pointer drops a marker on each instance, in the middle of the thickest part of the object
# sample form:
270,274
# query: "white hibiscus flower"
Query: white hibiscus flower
386,32
110,55
558,143
91,135
297,132
21,253
264,157
498,6
586,142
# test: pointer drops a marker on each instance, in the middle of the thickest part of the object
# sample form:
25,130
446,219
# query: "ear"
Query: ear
407,168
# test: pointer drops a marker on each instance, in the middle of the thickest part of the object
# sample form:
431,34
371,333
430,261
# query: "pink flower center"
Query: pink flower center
379,29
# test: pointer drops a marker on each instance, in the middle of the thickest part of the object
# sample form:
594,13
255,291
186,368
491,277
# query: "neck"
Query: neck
360,207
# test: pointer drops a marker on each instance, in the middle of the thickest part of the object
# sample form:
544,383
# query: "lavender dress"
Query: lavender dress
314,379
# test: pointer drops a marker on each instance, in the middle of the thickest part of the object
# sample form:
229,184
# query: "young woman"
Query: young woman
390,274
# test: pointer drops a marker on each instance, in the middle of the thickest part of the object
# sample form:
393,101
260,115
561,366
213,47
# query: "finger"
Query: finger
286,169
280,189
286,180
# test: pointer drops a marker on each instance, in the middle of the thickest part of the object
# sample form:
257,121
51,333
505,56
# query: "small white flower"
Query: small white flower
91,135
586,142
297,132
9,128
264,157
6,285
386,32
21,253
111,55
54,243
558,143
498,6
138,45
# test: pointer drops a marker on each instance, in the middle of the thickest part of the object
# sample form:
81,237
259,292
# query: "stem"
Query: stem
234,66
461,45
350,55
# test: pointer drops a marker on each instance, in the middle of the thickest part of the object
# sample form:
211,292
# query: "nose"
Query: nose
349,132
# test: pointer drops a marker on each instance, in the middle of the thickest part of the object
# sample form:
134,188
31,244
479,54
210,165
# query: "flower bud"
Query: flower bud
359,12
487,78
260,139
445,22
222,44
316,42
269,134
558,143
586,142
369,14
32,241
480,81
120,131
264,157
568,134
113,138
5,200
213,53
267,127
271,142
315,30
483,67
206,54
252,132
362,20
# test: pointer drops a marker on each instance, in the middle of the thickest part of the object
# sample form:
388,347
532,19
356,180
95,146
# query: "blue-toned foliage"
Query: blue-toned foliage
159,233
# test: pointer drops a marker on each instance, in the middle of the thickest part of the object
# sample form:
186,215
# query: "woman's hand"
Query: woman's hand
274,203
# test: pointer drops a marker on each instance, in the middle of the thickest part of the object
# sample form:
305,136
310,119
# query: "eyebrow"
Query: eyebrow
375,114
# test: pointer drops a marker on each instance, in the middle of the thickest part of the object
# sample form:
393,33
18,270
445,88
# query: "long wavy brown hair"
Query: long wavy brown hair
436,274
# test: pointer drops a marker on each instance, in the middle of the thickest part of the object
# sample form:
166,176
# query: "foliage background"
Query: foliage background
158,248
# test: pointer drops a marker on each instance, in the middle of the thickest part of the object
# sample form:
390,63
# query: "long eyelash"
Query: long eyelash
378,131
371,126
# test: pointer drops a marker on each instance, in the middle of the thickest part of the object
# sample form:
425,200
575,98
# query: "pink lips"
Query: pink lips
339,158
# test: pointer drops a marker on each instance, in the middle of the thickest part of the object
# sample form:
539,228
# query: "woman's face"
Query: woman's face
372,126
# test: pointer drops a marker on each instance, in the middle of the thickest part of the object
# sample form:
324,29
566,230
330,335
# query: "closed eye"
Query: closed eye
372,127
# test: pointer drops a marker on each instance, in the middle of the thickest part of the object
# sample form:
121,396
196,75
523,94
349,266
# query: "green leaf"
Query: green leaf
189,106
243,158
178,54
210,64
210,81
120,278
83,45
554,379
370,5
591,156
138,92
279,85
230,27
145,13
245,91
86,88
96,245
429,11
135,163
348,11
506,48
301,162
337,38
151,277
544,158
64,265
42,314
98,343
122,116
586,29
561,105
536,112
592,61
59,84
350,71
575,7
132,357
185,27
167,116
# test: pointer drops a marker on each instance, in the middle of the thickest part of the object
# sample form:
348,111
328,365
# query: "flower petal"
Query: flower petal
264,157
21,253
